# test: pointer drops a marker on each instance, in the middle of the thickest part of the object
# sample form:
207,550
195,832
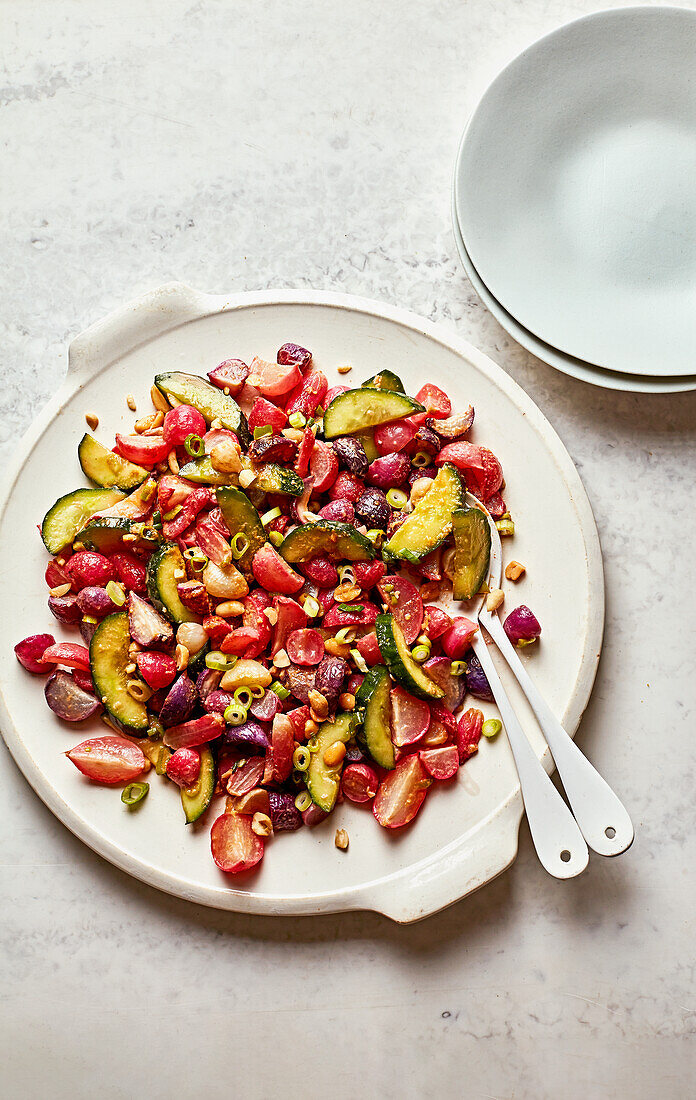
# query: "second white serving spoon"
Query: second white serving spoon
601,816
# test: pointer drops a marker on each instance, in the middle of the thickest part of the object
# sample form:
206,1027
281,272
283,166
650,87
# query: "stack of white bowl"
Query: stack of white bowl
574,199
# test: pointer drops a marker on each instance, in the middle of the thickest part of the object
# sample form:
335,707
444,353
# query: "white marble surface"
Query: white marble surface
240,146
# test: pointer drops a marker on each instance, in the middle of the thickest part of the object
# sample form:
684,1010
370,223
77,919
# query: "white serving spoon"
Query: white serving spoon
601,816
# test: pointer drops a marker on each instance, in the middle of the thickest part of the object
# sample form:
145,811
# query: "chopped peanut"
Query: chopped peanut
159,400
216,423
246,673
334,754
310,728
293,433
271,614
247,478
145,422
130,402
494,599
420,487
343,370
346,592
182,657
281,659
226,457
61,590
256,801
262,825
346,701
514,570
229,609
430,591
172,462
341,840
319,704
337,649
92,420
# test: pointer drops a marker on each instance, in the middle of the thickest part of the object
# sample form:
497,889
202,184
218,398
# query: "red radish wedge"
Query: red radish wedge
69,699
68,654
335,617
88,569
273,379
183,767
368,648
229,375
264,413
394,437
323,466
410,717
144,450
469,733
196,732
282,744
305,453
437,404
309,395
435,621
157,669
401,793
30,651
273,573
247,775
359,782
459,637
483,470
234,844
404,603
108,759
440,763
181,422
290,616
305,647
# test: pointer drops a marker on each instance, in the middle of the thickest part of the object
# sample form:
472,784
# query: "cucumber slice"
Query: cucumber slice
107,469
209,400
373,694
196,799
106,535
339,541
369,446
202,472
356,410
162,581
70,513
399,661
430,522
385,380
108,657
269,477
472,541
323,780
241,518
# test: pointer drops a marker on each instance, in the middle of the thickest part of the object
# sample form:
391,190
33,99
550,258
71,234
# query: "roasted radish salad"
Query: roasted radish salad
255,574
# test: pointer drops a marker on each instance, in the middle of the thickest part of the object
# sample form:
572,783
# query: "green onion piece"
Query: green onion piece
346,573
154,727
275,538
257,691
89,619
194,446
311,607
492,727
162,758
350,607
196,557
506,527
170,515
420,653
505,515
301,758
303,800
235,714
150,534
346,634
458,668
313,744
358,660
134,793
525,641
264,429
375,536
420,459
240,545
157,520
269,516
297,420
243,697
397,498
280,691
220,662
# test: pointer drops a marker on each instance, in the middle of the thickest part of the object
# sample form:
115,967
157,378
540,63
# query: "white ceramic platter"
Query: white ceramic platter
464,835
575,190
576,368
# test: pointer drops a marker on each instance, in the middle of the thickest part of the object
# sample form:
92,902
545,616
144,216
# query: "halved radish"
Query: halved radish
29,652
273,573
394,437
230,375
401,793
67,654
109,759
437,403
234,844
323,465
410,717
441,763
290,616
459,637
247,774
369,650
482,468
196,732
273,379
404,603
145,450
282,744
305,647
305,453
359,782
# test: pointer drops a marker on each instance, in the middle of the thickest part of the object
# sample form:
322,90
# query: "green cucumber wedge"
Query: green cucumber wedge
356,410
107,469
369,446
70,513
270,478
165,570
108,658
339,541
106,535
202,472
196,799
430,522
399,660
472,541
385,380
323,779
373,695
211,402
242,519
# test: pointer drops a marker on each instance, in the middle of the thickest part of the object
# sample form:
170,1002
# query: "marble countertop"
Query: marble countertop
241,146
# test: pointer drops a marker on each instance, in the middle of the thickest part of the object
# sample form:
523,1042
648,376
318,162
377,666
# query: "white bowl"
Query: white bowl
464,835
575,190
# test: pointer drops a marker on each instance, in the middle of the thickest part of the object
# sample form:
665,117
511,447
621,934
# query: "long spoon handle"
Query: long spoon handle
557,838
601,815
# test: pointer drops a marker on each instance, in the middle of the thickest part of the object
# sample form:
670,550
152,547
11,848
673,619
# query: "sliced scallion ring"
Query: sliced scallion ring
194,446
269,516
134,793
240,545
235,714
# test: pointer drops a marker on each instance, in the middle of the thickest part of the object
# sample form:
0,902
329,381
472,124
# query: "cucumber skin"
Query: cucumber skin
102,689
195,800
366,696
236,422
413,556
460,590
153,585
63,502
396,665
231,501
346,724
388,381
90,458
343,530
344,416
